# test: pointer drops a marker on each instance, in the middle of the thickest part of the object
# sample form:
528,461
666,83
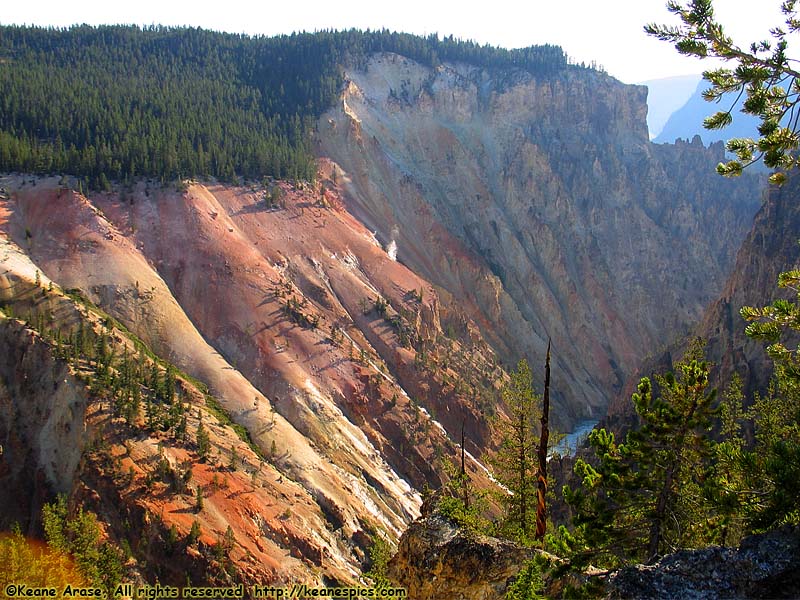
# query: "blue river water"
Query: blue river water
570,442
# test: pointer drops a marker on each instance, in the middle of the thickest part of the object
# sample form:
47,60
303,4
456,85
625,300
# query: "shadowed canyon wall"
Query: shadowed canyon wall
542,209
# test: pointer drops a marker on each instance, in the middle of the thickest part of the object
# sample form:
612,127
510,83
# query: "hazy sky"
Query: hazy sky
606,31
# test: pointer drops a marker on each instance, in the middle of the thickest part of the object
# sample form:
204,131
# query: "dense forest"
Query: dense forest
116,102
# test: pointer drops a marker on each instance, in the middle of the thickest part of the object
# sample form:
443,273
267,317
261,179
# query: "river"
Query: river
570,442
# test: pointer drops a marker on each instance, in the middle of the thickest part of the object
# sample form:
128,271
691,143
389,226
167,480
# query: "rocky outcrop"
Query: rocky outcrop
770,248
764,566
542,209
437,560
42,429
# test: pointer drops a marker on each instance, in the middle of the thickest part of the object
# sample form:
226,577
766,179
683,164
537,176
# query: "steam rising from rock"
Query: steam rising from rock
391,249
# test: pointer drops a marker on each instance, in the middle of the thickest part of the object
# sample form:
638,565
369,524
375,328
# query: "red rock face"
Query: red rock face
326,350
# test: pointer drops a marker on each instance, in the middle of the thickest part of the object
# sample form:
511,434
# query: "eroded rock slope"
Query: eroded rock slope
328,352
541,207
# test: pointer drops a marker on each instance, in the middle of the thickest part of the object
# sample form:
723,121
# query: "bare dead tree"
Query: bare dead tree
464,468
541,510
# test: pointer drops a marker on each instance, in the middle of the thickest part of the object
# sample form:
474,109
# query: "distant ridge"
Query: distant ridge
687,121
665,96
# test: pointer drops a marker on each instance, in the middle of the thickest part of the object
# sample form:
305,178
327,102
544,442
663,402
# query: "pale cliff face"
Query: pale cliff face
541,207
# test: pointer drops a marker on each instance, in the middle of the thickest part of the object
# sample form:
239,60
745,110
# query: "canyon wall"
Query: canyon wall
541,208
771,247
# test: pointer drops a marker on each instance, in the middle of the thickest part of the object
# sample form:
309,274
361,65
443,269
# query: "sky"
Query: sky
608,32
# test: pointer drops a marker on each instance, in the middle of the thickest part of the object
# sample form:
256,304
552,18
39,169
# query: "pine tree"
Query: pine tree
233,463
194,532
198,503
672,451
79,535
764,74
728,475
203,442
180,429
229,539
515,465
774,464
644,497
37,567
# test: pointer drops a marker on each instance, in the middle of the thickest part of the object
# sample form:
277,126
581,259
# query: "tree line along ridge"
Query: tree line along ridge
119,102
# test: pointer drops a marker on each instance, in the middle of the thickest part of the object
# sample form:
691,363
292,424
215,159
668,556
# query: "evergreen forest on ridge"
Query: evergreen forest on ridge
113,103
